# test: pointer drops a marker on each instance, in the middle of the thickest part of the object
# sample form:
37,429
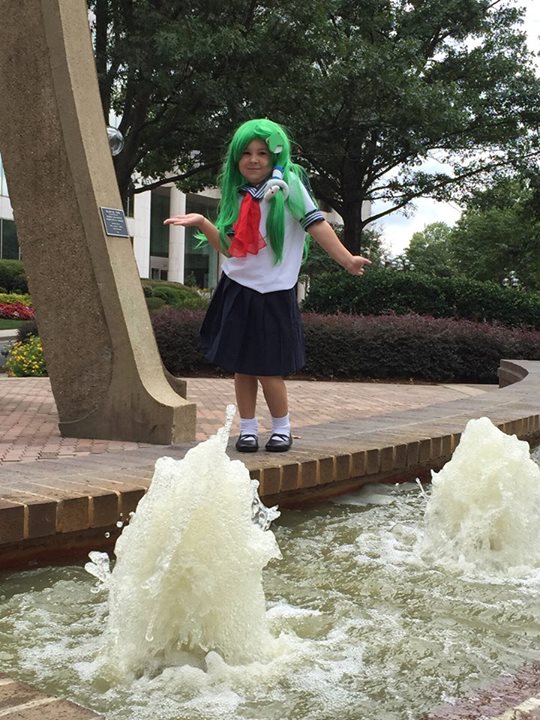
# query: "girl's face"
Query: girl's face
255,163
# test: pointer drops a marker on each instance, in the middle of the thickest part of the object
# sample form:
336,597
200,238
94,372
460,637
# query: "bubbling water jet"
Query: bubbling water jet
484,508
188,574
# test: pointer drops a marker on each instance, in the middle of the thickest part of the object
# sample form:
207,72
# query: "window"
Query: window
200,263
9,245
159,233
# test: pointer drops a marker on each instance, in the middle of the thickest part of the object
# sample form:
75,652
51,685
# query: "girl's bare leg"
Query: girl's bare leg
245,387
275,394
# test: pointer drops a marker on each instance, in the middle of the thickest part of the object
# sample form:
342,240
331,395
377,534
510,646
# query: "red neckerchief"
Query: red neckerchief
247,236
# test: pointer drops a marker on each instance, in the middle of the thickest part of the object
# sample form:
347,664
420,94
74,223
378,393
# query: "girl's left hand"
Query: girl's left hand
356,265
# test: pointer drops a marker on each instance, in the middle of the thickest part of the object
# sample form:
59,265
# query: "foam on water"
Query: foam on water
484,508
188,572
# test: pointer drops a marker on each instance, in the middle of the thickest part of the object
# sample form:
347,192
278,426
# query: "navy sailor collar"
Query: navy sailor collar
256,191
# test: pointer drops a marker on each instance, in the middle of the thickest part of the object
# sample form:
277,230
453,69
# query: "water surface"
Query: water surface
364,626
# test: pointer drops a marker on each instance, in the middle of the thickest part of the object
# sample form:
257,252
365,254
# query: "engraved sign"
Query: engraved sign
115,222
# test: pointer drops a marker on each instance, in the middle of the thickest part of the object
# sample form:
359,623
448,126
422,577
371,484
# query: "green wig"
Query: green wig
231,181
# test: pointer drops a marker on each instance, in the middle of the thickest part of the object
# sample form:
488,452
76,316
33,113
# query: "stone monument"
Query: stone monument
104,366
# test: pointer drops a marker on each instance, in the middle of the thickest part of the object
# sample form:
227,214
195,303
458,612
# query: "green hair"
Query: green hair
231,181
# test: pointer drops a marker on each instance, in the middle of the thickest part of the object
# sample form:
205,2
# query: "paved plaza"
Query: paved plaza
29,421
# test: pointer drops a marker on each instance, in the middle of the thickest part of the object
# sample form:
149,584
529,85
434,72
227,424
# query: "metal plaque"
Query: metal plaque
115,222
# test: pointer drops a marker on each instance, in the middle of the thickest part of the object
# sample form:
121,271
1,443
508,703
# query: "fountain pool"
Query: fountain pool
366,620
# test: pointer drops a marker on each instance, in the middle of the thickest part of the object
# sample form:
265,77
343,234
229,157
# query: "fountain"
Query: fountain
188,572
485,503
385,603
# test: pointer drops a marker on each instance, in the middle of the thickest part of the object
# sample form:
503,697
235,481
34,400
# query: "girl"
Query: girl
253,326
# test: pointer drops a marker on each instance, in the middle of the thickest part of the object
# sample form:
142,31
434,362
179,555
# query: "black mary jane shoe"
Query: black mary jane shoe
279,442
247,443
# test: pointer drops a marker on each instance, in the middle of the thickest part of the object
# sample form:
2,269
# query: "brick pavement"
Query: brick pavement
29,421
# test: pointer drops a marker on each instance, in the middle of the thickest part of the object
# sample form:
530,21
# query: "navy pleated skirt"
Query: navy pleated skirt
253,333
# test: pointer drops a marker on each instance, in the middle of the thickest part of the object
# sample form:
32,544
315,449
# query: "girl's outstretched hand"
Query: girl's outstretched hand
200,222
189,220
356,264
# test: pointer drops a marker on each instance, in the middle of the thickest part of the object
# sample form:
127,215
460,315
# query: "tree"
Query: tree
395,81
430,252
369,88
178,75
372,242
498,236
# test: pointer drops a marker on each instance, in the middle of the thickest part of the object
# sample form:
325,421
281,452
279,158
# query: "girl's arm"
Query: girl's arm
323,233
201,223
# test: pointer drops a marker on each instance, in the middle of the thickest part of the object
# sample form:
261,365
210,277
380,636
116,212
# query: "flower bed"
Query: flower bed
16,311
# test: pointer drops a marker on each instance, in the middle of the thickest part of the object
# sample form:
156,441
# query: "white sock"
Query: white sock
249,426
281,425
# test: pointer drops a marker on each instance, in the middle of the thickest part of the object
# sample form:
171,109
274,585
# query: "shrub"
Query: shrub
390,347
154,303
19,284
16,298
381,292
25,359
177,337
26,329
174,294
12,277
412,347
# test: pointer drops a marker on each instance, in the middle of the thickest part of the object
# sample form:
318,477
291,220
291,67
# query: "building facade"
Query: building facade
169,252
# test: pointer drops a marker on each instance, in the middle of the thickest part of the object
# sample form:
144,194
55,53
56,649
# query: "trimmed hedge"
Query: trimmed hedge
177,337
12,277
412,347
380,292
392,347
172,294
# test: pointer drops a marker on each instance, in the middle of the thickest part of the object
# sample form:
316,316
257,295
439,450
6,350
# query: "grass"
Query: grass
10,324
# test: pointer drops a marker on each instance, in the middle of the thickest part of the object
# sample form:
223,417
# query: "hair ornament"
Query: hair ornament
275,184
275,143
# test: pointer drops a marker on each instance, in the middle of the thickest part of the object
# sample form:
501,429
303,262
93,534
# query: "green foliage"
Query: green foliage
174,73
391,81
173,294
12,277
372,247
498,236
190,280
25,299
387,347
317,261
430,252
154,303
384,291
26,329
26,359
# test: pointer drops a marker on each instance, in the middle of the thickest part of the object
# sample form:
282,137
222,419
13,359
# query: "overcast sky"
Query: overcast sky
398,229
